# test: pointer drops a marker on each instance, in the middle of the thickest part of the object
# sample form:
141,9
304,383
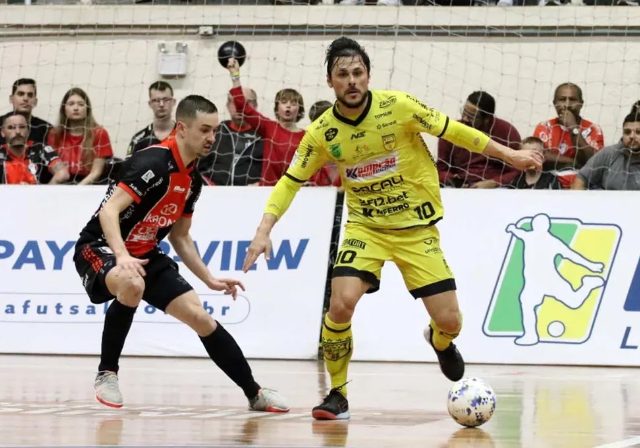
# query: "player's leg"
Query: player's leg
420,259
445,326
173,294
356,271
103,281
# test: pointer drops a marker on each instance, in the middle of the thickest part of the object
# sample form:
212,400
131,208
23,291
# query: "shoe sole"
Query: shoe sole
276,410
108,403
321,414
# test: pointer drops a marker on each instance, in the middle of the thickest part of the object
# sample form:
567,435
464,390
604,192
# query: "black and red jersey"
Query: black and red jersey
163,190
34,167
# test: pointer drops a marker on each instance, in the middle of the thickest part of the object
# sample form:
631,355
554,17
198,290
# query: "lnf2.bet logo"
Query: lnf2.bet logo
552,280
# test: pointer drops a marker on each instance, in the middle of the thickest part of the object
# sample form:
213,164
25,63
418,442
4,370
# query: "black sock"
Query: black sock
117,323
225,352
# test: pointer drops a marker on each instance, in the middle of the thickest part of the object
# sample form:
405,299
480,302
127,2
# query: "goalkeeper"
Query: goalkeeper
393,198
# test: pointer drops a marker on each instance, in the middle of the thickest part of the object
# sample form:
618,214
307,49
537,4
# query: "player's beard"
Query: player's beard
352,104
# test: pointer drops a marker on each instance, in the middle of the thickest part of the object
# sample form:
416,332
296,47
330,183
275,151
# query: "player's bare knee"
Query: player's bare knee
342,307
131,291
449,321
200,321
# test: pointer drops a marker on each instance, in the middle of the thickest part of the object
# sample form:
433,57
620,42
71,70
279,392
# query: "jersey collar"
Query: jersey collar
359,119
173,146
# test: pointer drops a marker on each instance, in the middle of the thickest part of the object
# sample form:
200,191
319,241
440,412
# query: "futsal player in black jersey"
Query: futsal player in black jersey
117,254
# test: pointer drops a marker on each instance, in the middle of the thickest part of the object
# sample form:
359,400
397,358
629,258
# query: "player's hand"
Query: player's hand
597,267
228,285
261,244
511,228
131,265
527,159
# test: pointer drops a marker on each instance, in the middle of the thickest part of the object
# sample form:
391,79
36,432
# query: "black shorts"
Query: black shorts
162,284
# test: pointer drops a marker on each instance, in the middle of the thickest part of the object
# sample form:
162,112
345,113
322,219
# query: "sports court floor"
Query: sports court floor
48,401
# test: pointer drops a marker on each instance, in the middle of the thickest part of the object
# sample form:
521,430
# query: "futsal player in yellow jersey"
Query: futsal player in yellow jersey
393,199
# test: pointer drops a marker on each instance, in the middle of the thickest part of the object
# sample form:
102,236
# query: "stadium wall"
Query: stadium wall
44,309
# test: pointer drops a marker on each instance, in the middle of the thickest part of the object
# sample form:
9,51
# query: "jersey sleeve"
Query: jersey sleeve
102,144
254,118
309,158
592,173
543,133
140,172
50,157
194,195
427,119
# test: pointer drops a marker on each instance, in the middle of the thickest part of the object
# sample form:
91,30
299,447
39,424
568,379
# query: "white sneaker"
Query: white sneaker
268,400
107,389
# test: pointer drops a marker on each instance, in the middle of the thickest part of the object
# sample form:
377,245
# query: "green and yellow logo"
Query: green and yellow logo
552,280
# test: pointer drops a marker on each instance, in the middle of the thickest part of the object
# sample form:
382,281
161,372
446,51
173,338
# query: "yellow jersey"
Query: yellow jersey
387,171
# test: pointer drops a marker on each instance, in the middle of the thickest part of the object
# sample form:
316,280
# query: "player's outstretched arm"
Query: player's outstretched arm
524,159
184,246
109,217
261,243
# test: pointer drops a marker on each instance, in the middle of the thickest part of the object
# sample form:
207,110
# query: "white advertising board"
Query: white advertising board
575,279
44,309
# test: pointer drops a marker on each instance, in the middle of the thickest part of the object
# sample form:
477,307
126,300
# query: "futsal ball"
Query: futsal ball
471,402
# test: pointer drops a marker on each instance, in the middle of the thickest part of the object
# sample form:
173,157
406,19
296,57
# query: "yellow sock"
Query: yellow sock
337,345
441,339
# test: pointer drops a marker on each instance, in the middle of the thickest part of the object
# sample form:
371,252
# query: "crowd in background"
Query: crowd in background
253,149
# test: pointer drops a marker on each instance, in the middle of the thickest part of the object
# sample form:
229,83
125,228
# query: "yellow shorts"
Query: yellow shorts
415,251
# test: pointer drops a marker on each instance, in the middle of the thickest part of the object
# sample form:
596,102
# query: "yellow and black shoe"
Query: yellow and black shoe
450,359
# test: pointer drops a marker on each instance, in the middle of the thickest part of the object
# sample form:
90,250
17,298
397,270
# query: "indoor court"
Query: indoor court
48,401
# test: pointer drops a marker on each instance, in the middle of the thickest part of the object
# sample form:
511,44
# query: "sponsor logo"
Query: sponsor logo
48,149
330,134
384,200
552,280
352,242
389,142
388,102
384,185
169,209
369,212
146,177
357,135
372,169
179,189
305,158
386,125
335,150
383,114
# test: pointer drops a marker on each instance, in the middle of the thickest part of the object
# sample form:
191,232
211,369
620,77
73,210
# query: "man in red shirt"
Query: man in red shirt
570,139
282,137
23,161
458,167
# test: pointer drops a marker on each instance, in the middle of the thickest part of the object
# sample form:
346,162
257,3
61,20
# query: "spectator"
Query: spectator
82,144
318,109
24,162
635,109
236,155
535,179
24,97
458,167
616,167
281,136
570,139
161,102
